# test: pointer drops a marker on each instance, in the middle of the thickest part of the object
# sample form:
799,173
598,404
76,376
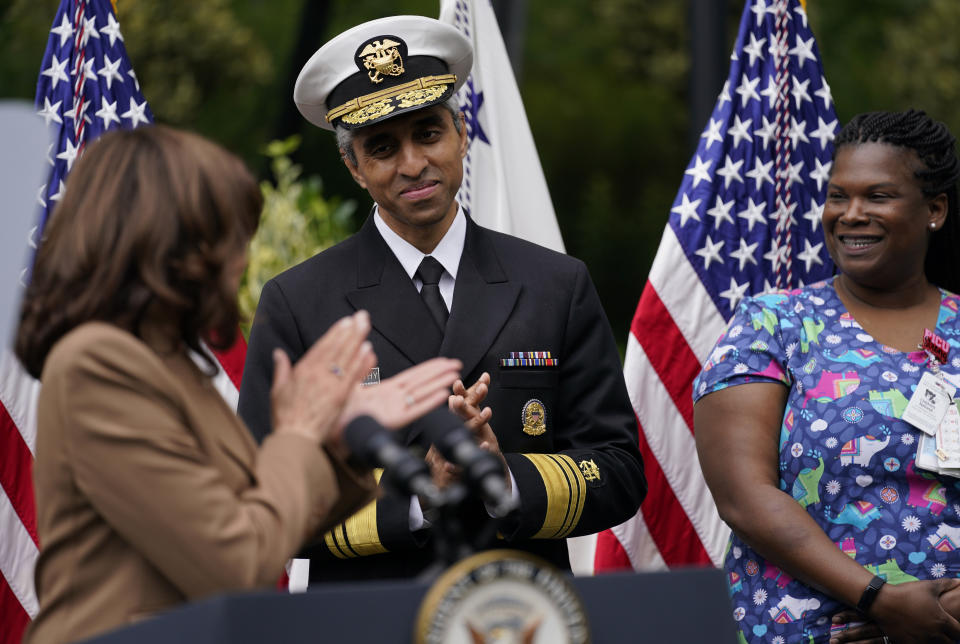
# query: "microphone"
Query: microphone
374,446
483,471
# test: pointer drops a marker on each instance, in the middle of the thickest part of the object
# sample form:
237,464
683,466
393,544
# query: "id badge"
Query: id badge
929,403
948,439
927,454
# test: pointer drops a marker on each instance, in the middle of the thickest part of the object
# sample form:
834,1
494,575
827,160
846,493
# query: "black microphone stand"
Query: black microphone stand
450,540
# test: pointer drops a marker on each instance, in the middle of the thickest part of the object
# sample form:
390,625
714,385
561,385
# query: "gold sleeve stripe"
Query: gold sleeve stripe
578,489
565,488
332,544
358,535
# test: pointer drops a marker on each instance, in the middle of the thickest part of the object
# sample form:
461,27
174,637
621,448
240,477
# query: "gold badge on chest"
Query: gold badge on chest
534,418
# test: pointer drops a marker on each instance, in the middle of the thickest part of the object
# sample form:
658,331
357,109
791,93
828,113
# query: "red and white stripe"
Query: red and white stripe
18,525
673,332
227,380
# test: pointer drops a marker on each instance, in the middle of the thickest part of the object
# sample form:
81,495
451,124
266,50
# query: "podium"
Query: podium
675,607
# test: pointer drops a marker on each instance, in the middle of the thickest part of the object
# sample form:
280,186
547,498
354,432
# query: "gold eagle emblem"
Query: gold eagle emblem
382,58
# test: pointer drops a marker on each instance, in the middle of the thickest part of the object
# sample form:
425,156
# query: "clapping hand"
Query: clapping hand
399,400
307,398
465,403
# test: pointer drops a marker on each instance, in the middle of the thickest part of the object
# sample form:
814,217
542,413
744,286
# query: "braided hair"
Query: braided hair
936,148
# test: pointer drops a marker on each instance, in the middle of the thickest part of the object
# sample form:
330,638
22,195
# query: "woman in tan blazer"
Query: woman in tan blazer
150,491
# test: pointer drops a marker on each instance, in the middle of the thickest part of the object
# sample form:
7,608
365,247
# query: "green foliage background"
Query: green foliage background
604,82
297,223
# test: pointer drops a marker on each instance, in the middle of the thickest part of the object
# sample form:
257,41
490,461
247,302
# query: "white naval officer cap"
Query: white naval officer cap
380,69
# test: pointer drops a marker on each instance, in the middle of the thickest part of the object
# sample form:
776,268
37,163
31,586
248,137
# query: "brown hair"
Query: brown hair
151,220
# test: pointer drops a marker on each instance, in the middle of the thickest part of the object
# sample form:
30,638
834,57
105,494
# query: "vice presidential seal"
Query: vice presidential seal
502,596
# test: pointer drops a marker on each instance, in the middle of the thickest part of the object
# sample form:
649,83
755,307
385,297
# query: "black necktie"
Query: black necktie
429,273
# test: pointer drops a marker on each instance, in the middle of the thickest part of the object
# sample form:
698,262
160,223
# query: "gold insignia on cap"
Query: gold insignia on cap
382,57
590,470
534,418
373,111
421,96
375,104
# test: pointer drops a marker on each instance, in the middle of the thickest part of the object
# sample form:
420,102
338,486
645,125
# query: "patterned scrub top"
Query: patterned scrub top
845,455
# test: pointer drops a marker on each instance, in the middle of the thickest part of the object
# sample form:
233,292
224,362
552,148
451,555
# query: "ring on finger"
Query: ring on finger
410,400
336,370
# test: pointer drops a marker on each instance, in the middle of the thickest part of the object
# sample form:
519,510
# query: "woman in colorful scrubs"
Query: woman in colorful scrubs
819,412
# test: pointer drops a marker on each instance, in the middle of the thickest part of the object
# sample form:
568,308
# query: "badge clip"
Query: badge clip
935,346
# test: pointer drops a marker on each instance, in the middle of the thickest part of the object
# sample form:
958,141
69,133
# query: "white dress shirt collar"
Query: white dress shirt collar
447,252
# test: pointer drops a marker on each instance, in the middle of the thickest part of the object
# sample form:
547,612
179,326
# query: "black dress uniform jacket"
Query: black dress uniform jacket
581,475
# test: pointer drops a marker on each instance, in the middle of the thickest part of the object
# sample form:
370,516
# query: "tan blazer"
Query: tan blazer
151,492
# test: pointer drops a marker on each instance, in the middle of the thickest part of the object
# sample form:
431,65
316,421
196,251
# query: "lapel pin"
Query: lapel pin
372,378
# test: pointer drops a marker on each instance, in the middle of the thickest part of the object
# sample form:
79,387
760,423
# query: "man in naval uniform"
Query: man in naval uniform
546,391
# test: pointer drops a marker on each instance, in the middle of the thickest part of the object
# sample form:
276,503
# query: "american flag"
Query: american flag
745,220
86,87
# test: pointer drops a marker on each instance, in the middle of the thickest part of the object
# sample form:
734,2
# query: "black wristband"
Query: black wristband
870,593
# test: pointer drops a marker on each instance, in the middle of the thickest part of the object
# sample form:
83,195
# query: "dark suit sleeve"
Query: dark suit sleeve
273,327
594,479
381,525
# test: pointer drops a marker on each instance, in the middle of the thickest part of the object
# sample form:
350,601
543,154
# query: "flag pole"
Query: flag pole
708,62
512,18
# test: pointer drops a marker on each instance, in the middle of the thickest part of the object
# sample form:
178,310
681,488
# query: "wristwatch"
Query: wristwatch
870,593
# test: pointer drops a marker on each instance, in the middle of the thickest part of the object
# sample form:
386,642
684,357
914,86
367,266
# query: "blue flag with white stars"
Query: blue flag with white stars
748,210
86,87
